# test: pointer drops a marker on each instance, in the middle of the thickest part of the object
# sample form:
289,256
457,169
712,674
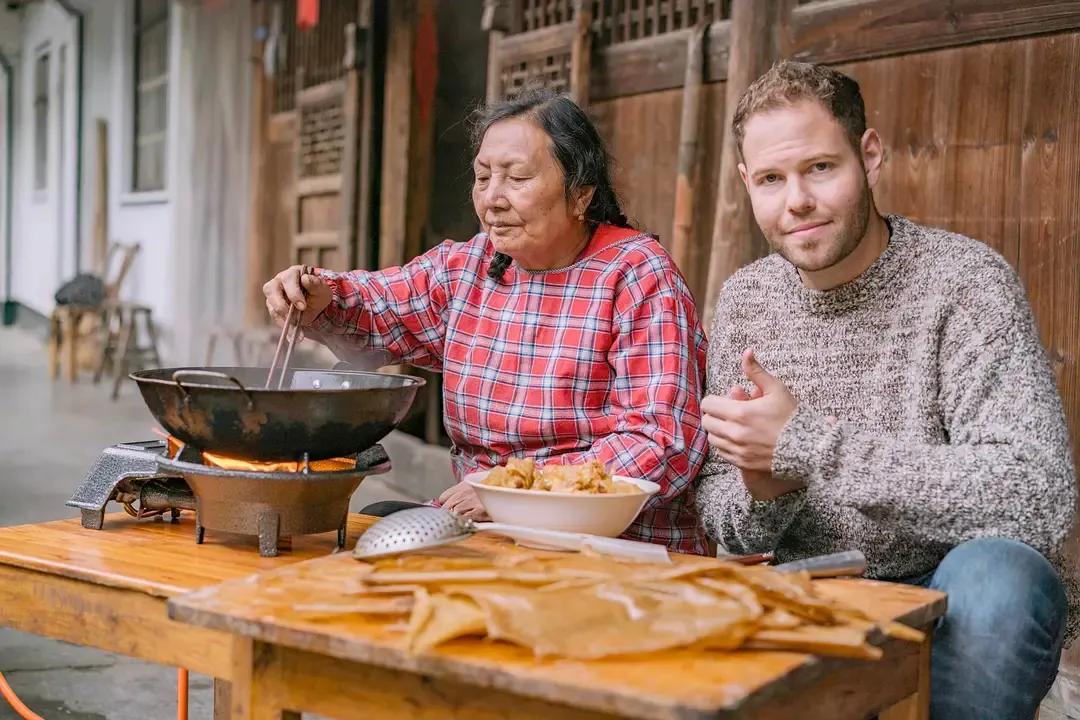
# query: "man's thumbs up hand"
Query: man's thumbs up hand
744,427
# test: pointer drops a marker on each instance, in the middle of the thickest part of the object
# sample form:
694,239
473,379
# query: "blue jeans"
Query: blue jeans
996,650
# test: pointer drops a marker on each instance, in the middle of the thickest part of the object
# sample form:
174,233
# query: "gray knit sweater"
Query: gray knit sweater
948,424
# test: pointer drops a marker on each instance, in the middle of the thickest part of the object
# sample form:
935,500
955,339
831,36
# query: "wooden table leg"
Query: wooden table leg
917,706
71,334
254,689
222,699
55,342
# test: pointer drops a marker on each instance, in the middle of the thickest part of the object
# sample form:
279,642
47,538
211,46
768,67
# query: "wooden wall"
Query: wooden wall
642,132
982,137
978,102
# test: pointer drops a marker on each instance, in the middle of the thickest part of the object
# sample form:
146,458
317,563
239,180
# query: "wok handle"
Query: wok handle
209,374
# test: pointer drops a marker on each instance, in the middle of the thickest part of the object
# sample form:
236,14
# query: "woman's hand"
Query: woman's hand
300,286
463,500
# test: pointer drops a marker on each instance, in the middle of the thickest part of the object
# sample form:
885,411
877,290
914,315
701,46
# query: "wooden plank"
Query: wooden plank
845,30
538,43
397,133
679,683
854,689
952,146
641,131
287,678
581,54
756,29
656,63
917,706
364,251
321,94
494,67
168,561
688,169
101,196
319,185
260,238
129,622
407,139
350,157
1049,240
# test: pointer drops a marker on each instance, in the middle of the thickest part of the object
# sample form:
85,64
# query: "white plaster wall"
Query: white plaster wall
10,40
43,252
145,218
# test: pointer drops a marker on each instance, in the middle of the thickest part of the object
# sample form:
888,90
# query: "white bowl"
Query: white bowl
607,515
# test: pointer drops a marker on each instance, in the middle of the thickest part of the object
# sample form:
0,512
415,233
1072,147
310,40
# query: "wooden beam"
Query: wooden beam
101,198
397,124
581,53
656,63
843,30
260,239
757,34
319,185
686,180
364,252
408,132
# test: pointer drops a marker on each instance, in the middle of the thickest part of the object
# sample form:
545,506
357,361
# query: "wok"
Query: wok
324,413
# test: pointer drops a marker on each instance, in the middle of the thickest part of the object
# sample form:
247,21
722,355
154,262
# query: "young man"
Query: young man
880,385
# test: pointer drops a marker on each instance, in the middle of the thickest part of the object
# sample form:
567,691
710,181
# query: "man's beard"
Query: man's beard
849,233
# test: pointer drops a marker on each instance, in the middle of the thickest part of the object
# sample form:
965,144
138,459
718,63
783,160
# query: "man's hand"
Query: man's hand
744,427
463,500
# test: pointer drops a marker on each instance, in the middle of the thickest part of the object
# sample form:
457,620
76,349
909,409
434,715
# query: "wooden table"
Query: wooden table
352,666
108,588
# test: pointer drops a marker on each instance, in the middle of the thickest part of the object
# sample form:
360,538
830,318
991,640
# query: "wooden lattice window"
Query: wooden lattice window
322,139
311,57
618,21
552,71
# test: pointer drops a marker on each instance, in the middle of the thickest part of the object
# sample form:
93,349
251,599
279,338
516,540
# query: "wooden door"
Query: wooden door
336,100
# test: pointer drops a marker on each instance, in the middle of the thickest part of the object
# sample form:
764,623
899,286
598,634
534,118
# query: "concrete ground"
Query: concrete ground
50,435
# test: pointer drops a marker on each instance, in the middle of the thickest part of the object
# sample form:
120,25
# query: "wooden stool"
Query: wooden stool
64,336
123,352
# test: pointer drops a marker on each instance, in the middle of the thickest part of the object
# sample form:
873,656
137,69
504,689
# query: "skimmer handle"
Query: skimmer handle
613,547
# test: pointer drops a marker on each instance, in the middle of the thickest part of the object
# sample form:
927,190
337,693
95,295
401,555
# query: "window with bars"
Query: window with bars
618,21
41,120
151,89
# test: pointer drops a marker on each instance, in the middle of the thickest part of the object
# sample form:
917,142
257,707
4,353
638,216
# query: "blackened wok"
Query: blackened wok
324,413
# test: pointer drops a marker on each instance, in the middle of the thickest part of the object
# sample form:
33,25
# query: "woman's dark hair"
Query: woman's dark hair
575,144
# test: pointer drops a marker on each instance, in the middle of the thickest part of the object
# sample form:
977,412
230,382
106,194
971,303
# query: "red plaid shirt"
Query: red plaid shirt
604,359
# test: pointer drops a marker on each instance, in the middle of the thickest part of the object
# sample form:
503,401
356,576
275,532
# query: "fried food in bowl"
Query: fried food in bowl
573,498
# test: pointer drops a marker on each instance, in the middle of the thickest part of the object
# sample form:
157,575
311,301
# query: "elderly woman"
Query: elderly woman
562,333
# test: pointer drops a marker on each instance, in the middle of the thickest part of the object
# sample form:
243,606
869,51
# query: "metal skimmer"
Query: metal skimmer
428,527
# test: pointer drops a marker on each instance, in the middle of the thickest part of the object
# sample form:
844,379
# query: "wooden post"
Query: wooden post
581,53
687,178
407,138
364,251
260,238
495,22
101,199
758,32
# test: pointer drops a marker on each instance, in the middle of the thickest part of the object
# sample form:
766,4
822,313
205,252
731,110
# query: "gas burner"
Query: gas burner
149,481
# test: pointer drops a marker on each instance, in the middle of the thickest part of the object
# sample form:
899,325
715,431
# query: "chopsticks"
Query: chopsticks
291,329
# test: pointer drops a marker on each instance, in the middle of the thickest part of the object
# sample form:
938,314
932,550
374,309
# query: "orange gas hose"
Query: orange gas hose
27,714
16,704
181,693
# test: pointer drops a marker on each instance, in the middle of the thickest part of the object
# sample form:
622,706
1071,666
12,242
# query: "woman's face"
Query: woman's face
520,199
